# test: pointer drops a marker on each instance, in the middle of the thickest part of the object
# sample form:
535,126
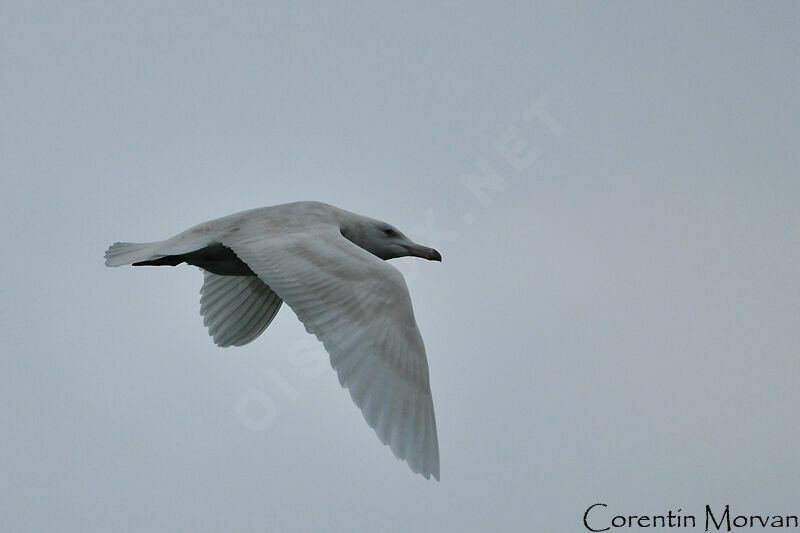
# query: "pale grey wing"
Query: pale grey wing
236,309
359,307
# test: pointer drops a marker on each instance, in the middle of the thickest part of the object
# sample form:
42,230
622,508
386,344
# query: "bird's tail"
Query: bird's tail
126,253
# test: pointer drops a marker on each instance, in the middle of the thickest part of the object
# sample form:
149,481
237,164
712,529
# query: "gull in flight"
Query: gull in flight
329,266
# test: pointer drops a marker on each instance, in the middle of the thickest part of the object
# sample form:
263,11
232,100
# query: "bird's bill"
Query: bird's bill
424,252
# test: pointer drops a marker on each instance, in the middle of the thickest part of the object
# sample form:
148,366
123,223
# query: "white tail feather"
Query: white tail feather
125,253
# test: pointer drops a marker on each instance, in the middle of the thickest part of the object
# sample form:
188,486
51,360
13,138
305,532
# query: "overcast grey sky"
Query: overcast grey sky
616,318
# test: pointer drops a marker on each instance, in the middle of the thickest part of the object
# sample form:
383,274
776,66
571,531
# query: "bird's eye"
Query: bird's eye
388,231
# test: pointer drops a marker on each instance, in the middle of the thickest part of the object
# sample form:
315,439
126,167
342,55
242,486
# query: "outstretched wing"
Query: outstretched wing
359,307
236,309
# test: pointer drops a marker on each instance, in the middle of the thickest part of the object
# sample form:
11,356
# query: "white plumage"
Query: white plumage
327,265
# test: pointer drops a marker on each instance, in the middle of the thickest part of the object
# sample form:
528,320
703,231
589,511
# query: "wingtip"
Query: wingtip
428,474
435,470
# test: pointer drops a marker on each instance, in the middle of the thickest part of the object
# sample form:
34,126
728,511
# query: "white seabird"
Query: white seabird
328,265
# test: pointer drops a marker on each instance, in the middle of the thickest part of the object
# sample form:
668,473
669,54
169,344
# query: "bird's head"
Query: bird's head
387,242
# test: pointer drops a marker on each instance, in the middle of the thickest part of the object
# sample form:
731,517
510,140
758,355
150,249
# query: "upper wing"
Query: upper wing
236,309
359,307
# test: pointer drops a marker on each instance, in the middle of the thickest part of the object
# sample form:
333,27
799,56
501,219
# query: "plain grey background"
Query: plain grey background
616,318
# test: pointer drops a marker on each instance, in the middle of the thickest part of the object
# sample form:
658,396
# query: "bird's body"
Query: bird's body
327,265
